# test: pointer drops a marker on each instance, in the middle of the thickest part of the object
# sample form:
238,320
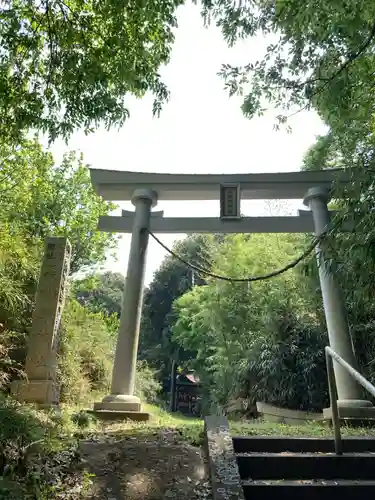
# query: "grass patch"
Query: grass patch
192,429
310,429
189,429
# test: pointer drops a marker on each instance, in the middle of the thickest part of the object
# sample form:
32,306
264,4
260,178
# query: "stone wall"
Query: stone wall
272,413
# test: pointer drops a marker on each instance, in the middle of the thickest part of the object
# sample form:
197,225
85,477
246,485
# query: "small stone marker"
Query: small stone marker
41,361
222,463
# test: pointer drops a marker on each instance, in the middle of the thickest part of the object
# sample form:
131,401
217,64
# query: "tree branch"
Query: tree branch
350,59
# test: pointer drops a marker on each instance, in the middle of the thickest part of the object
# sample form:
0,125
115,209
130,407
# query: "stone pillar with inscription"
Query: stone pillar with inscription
40,385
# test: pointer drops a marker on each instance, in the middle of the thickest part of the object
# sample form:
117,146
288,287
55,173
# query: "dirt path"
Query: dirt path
152,465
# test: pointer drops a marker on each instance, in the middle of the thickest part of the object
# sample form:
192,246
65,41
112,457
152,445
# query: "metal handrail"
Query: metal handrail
330,356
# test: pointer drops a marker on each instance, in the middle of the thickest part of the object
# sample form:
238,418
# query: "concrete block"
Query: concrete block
112,415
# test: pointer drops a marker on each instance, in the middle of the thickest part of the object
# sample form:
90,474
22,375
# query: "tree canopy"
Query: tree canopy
71,64
101,292
170,281
246,335
321,55
41,199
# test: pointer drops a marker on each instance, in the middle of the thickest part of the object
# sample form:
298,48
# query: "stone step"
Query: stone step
277,444
111,415
306,466
288,490
239,470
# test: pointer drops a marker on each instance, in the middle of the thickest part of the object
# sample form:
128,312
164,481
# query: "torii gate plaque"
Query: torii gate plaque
145,189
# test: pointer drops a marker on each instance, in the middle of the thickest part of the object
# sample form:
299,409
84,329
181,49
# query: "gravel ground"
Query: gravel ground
148,466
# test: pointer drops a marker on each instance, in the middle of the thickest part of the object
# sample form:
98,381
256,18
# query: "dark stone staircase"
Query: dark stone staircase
287,468
280,468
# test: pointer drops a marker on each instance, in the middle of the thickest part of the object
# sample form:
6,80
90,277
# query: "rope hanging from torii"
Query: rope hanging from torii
272,274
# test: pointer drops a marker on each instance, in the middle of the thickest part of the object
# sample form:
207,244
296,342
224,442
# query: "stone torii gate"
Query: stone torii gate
144,190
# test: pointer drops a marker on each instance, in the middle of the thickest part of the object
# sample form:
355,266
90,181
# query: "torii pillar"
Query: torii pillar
350,401
122,399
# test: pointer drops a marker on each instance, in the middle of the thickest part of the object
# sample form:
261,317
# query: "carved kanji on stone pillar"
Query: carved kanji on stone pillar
41,361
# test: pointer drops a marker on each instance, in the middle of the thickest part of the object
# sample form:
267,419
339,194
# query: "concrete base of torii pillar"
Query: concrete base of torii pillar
350,402
121,402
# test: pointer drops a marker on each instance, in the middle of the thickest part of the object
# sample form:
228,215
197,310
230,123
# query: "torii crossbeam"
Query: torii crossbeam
120,186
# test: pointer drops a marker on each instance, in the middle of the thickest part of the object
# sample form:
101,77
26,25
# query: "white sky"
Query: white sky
201,130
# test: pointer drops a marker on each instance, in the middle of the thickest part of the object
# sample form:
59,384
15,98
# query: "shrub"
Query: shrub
86,357
22,431
289,372
86,352
147,387
19,423
12,356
